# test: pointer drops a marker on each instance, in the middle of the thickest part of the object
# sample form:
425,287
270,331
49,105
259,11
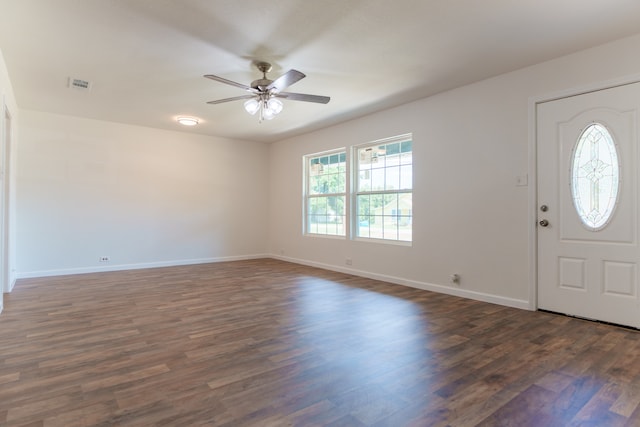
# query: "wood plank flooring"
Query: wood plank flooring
268,343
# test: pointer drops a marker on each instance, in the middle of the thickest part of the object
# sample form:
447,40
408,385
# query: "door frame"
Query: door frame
532,208
6,169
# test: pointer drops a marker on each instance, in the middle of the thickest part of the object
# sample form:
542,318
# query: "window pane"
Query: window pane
377,179
342,164
364,205
404,217
377,203
331,228
363,226
339,205
406,177
392,181
365,156
376,227
407,146
390,232
317,205
379,156
390,208
363,229
364,180
327,174
314,185
393,148
406,158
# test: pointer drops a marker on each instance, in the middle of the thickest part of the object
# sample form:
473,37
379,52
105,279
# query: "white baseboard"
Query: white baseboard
464,293
120,267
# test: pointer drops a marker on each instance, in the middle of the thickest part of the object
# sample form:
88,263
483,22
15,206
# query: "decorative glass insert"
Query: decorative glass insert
595,176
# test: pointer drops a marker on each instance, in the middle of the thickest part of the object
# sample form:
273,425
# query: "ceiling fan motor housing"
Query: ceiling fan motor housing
261,84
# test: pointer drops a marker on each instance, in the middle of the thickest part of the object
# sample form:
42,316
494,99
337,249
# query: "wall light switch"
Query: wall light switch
522,181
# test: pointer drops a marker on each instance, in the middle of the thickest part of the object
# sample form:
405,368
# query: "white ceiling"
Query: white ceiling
145,58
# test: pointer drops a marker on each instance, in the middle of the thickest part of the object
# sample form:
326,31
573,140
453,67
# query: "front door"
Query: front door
587,157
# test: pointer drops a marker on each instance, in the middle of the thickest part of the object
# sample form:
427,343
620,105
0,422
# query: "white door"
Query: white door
587,156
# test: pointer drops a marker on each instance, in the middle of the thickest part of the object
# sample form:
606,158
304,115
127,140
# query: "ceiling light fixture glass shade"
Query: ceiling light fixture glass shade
274,105
187,121
268,107
267,114
252,106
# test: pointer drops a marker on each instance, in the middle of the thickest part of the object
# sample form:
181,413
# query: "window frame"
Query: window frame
307,194
356,192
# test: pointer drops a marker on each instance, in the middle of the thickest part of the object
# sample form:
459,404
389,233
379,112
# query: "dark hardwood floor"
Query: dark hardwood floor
268,343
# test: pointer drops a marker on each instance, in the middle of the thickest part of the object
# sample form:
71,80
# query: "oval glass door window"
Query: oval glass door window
595,176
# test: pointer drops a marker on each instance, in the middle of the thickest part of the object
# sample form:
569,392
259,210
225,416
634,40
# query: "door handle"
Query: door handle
544,223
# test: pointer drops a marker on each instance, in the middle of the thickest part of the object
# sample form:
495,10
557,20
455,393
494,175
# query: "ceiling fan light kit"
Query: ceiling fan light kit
268,108
264,93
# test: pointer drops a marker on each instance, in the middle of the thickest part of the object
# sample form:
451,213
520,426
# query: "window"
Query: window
384,189
380,185
325,193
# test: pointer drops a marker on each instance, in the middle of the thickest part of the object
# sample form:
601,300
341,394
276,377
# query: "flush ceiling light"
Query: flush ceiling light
187,121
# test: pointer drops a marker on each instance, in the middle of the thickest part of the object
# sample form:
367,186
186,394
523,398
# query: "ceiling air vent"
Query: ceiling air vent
79,84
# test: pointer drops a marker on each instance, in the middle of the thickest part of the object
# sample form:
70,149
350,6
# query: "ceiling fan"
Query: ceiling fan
264,93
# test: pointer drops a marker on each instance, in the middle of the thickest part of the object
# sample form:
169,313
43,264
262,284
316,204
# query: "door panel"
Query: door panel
583,271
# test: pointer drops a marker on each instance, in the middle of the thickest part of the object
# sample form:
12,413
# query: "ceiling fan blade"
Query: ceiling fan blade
285,80
235,98
229,82
304,97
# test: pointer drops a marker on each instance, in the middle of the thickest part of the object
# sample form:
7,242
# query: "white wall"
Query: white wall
470,144
144,197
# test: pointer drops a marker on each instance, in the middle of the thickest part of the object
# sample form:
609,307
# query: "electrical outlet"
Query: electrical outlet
104,259
348,261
